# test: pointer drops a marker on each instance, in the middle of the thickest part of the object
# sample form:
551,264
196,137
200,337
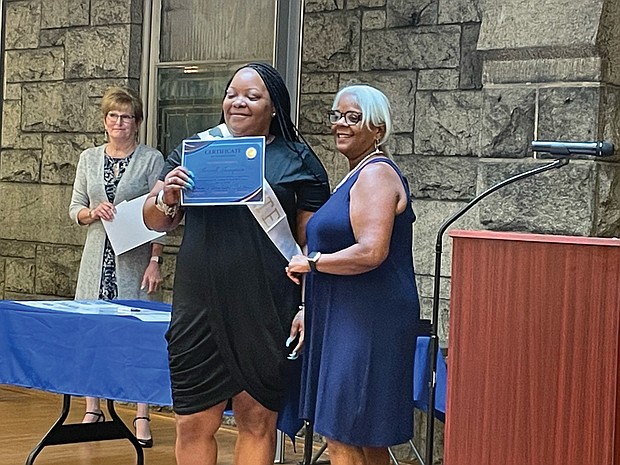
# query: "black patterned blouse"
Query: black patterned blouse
113,170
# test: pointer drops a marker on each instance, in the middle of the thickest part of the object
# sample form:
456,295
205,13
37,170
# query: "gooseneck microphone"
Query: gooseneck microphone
563,148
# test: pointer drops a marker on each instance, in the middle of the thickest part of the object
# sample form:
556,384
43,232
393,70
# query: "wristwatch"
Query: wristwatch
168,210
158,259
313,258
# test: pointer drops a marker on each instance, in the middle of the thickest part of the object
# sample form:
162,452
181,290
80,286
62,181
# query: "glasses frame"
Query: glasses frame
114,117
334,116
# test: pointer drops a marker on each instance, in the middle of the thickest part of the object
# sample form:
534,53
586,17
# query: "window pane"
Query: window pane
189,101
217,30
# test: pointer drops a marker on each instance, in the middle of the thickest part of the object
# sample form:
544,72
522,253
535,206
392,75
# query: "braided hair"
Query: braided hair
281,124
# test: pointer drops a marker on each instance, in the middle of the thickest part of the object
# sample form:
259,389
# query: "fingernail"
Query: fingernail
289,340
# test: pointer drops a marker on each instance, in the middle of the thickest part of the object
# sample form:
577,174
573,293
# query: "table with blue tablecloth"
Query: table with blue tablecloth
421,375
117,353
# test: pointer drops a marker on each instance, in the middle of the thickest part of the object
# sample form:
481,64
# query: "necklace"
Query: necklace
119,162
359,166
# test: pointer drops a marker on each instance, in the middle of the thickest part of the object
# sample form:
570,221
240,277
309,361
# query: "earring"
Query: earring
105,135
273,114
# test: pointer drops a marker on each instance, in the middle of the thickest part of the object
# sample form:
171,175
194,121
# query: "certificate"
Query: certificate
226,171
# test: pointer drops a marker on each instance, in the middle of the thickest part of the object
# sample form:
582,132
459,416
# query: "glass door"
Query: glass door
195,45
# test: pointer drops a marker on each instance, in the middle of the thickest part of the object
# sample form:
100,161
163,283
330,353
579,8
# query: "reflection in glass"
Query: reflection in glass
201,43
189,101
217,30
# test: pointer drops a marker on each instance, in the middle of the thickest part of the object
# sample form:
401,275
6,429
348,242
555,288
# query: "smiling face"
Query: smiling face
247,105
353,141
121,124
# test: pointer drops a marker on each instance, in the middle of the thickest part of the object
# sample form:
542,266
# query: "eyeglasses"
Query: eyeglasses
115,117
351,118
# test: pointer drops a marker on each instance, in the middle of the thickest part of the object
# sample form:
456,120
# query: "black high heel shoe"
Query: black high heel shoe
145,443
100,417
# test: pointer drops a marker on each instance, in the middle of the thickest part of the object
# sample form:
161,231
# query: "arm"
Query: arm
176,178
79,209
152,275
375,199
302,220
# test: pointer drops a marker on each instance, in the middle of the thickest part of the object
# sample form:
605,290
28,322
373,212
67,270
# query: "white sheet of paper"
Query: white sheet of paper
98,307
127,231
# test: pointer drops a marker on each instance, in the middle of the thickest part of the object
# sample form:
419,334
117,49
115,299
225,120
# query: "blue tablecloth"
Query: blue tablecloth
119,357
108,356
421,377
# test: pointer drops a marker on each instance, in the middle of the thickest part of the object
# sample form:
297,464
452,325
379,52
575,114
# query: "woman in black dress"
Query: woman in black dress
233,305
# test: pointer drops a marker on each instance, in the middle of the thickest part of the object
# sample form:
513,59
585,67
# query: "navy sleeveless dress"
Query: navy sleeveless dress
357,383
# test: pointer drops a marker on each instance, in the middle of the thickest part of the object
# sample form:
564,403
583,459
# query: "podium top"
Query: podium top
528,237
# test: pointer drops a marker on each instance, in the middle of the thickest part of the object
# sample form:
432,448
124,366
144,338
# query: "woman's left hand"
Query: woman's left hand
297,332
297,267
152,278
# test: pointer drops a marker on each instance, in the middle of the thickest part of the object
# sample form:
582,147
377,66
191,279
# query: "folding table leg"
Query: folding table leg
280,444
64,413
74,433
125,433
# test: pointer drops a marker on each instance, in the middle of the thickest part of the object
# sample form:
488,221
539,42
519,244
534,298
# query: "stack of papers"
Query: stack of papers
98,307
128,231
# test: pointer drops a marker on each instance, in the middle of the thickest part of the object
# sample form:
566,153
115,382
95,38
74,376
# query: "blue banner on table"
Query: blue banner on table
226,171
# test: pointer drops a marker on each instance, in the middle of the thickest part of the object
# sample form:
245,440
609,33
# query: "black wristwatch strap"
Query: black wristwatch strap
313,258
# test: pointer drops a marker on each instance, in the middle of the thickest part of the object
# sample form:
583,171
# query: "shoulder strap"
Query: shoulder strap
395,167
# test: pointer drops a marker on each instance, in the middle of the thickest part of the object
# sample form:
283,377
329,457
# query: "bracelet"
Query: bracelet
163,207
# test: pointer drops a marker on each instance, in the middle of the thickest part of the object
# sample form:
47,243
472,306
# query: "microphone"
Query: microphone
564,148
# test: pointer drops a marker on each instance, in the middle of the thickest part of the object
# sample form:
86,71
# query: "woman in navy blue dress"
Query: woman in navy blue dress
362,308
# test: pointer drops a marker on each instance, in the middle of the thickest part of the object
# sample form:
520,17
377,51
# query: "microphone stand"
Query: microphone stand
434,340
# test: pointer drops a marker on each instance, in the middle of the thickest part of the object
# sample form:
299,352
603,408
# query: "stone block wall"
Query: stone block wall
60,57
471,83
422,55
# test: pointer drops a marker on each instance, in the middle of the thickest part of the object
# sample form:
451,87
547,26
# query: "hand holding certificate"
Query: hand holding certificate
226,171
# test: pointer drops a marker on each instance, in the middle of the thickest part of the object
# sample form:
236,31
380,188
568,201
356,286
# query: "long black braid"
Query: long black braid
281,124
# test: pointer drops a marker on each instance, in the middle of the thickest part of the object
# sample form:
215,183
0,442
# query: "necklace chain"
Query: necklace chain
359,166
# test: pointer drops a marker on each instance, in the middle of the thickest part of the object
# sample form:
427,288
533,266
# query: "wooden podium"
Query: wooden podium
534,350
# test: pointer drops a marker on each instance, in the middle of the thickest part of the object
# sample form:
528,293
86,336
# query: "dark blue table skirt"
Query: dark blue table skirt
118,357
421,377
113,357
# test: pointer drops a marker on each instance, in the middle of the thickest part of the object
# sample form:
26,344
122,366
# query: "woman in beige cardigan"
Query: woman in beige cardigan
122,169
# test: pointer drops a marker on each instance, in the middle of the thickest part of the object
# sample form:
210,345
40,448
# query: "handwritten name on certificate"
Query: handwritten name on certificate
226,171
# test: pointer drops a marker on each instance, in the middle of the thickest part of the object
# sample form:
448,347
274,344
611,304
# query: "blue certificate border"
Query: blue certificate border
228,171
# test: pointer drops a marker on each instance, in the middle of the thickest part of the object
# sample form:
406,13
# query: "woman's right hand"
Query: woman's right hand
175,181
104,211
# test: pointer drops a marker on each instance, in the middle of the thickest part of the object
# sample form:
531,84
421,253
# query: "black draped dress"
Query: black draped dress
233,303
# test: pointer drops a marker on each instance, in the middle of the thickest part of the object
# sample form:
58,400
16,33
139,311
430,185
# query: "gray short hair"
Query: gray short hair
374,105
